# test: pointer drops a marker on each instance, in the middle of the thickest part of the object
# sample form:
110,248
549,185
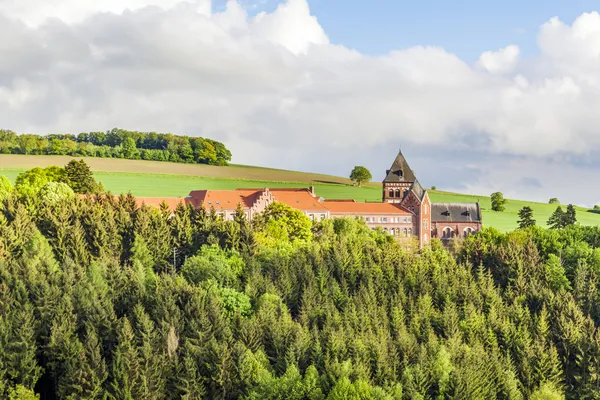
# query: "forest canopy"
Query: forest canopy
100,298
119,143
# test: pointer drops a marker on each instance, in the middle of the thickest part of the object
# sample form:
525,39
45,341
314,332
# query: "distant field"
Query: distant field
20,162
147,178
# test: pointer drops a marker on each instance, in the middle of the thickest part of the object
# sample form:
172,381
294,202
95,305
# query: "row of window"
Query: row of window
396,193
448,233
398,231
321,217
404,220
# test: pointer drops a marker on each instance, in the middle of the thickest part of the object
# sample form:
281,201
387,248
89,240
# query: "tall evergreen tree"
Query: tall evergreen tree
126,378
557,219
80,177
526,217
570,215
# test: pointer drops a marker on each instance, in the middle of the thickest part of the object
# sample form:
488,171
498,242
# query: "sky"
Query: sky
480,96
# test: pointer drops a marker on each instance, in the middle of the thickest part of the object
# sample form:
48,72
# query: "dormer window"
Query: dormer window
446,213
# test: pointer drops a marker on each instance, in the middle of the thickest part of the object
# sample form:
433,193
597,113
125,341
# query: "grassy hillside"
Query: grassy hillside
147,178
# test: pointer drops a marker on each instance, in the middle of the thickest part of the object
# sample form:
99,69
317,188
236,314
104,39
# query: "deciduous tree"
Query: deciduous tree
360,175
498,201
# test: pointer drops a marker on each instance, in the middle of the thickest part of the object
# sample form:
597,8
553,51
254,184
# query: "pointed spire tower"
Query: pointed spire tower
398,180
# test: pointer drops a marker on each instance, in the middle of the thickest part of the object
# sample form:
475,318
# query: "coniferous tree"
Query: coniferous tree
557,219
526,217
80,177
19,347
125,371
570,215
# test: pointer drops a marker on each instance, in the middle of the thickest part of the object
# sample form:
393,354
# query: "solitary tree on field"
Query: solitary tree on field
557,219
526,217
553,200
360,174
498,201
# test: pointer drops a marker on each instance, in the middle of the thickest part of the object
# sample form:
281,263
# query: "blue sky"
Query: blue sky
463,27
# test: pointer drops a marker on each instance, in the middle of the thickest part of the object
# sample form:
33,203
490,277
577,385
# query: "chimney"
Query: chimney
311,188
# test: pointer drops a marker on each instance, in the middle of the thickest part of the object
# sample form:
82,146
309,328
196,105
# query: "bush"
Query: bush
53,193
6,188
213,263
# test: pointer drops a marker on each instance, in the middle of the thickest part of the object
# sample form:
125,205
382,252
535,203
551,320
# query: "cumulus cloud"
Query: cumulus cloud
35,12
500,62
278,93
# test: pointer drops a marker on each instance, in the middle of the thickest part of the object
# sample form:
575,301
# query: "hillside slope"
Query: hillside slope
161,179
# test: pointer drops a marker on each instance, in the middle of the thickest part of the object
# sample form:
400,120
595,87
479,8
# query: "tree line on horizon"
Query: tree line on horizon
103,299
119,143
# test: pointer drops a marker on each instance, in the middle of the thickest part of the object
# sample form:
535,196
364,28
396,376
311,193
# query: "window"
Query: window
425,209
312,217
391,192
322,217
404,219
425,224
409,219
405,231
468,231
384,219
380,219
397,192
447,233
392,232
410,231
231,217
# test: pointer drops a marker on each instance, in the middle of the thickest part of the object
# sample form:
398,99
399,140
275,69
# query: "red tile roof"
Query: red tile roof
172,202
347,207
301,199
223,199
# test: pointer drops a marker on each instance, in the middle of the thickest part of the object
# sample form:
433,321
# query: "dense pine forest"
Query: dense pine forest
103,299
119,143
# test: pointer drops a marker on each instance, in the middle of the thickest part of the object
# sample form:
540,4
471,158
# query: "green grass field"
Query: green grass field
177,180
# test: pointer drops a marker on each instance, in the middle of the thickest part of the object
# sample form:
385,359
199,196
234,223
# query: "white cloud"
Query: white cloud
500,62
275,84
35,12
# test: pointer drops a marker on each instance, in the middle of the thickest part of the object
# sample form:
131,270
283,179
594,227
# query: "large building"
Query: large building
405,210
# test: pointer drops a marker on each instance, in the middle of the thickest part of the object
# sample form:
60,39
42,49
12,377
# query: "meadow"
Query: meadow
161,179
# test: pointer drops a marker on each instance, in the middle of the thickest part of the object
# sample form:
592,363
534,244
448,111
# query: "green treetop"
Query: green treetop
498,201
526,217
360,174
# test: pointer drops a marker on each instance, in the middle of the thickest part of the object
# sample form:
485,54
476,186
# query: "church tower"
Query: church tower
399,178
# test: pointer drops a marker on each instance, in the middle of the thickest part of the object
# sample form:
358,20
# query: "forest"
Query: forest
101,298
119,143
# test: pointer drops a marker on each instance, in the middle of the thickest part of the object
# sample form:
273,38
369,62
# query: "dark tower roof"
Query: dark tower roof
399,171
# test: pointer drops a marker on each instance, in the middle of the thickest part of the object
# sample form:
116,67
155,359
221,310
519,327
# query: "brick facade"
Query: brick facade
404,211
